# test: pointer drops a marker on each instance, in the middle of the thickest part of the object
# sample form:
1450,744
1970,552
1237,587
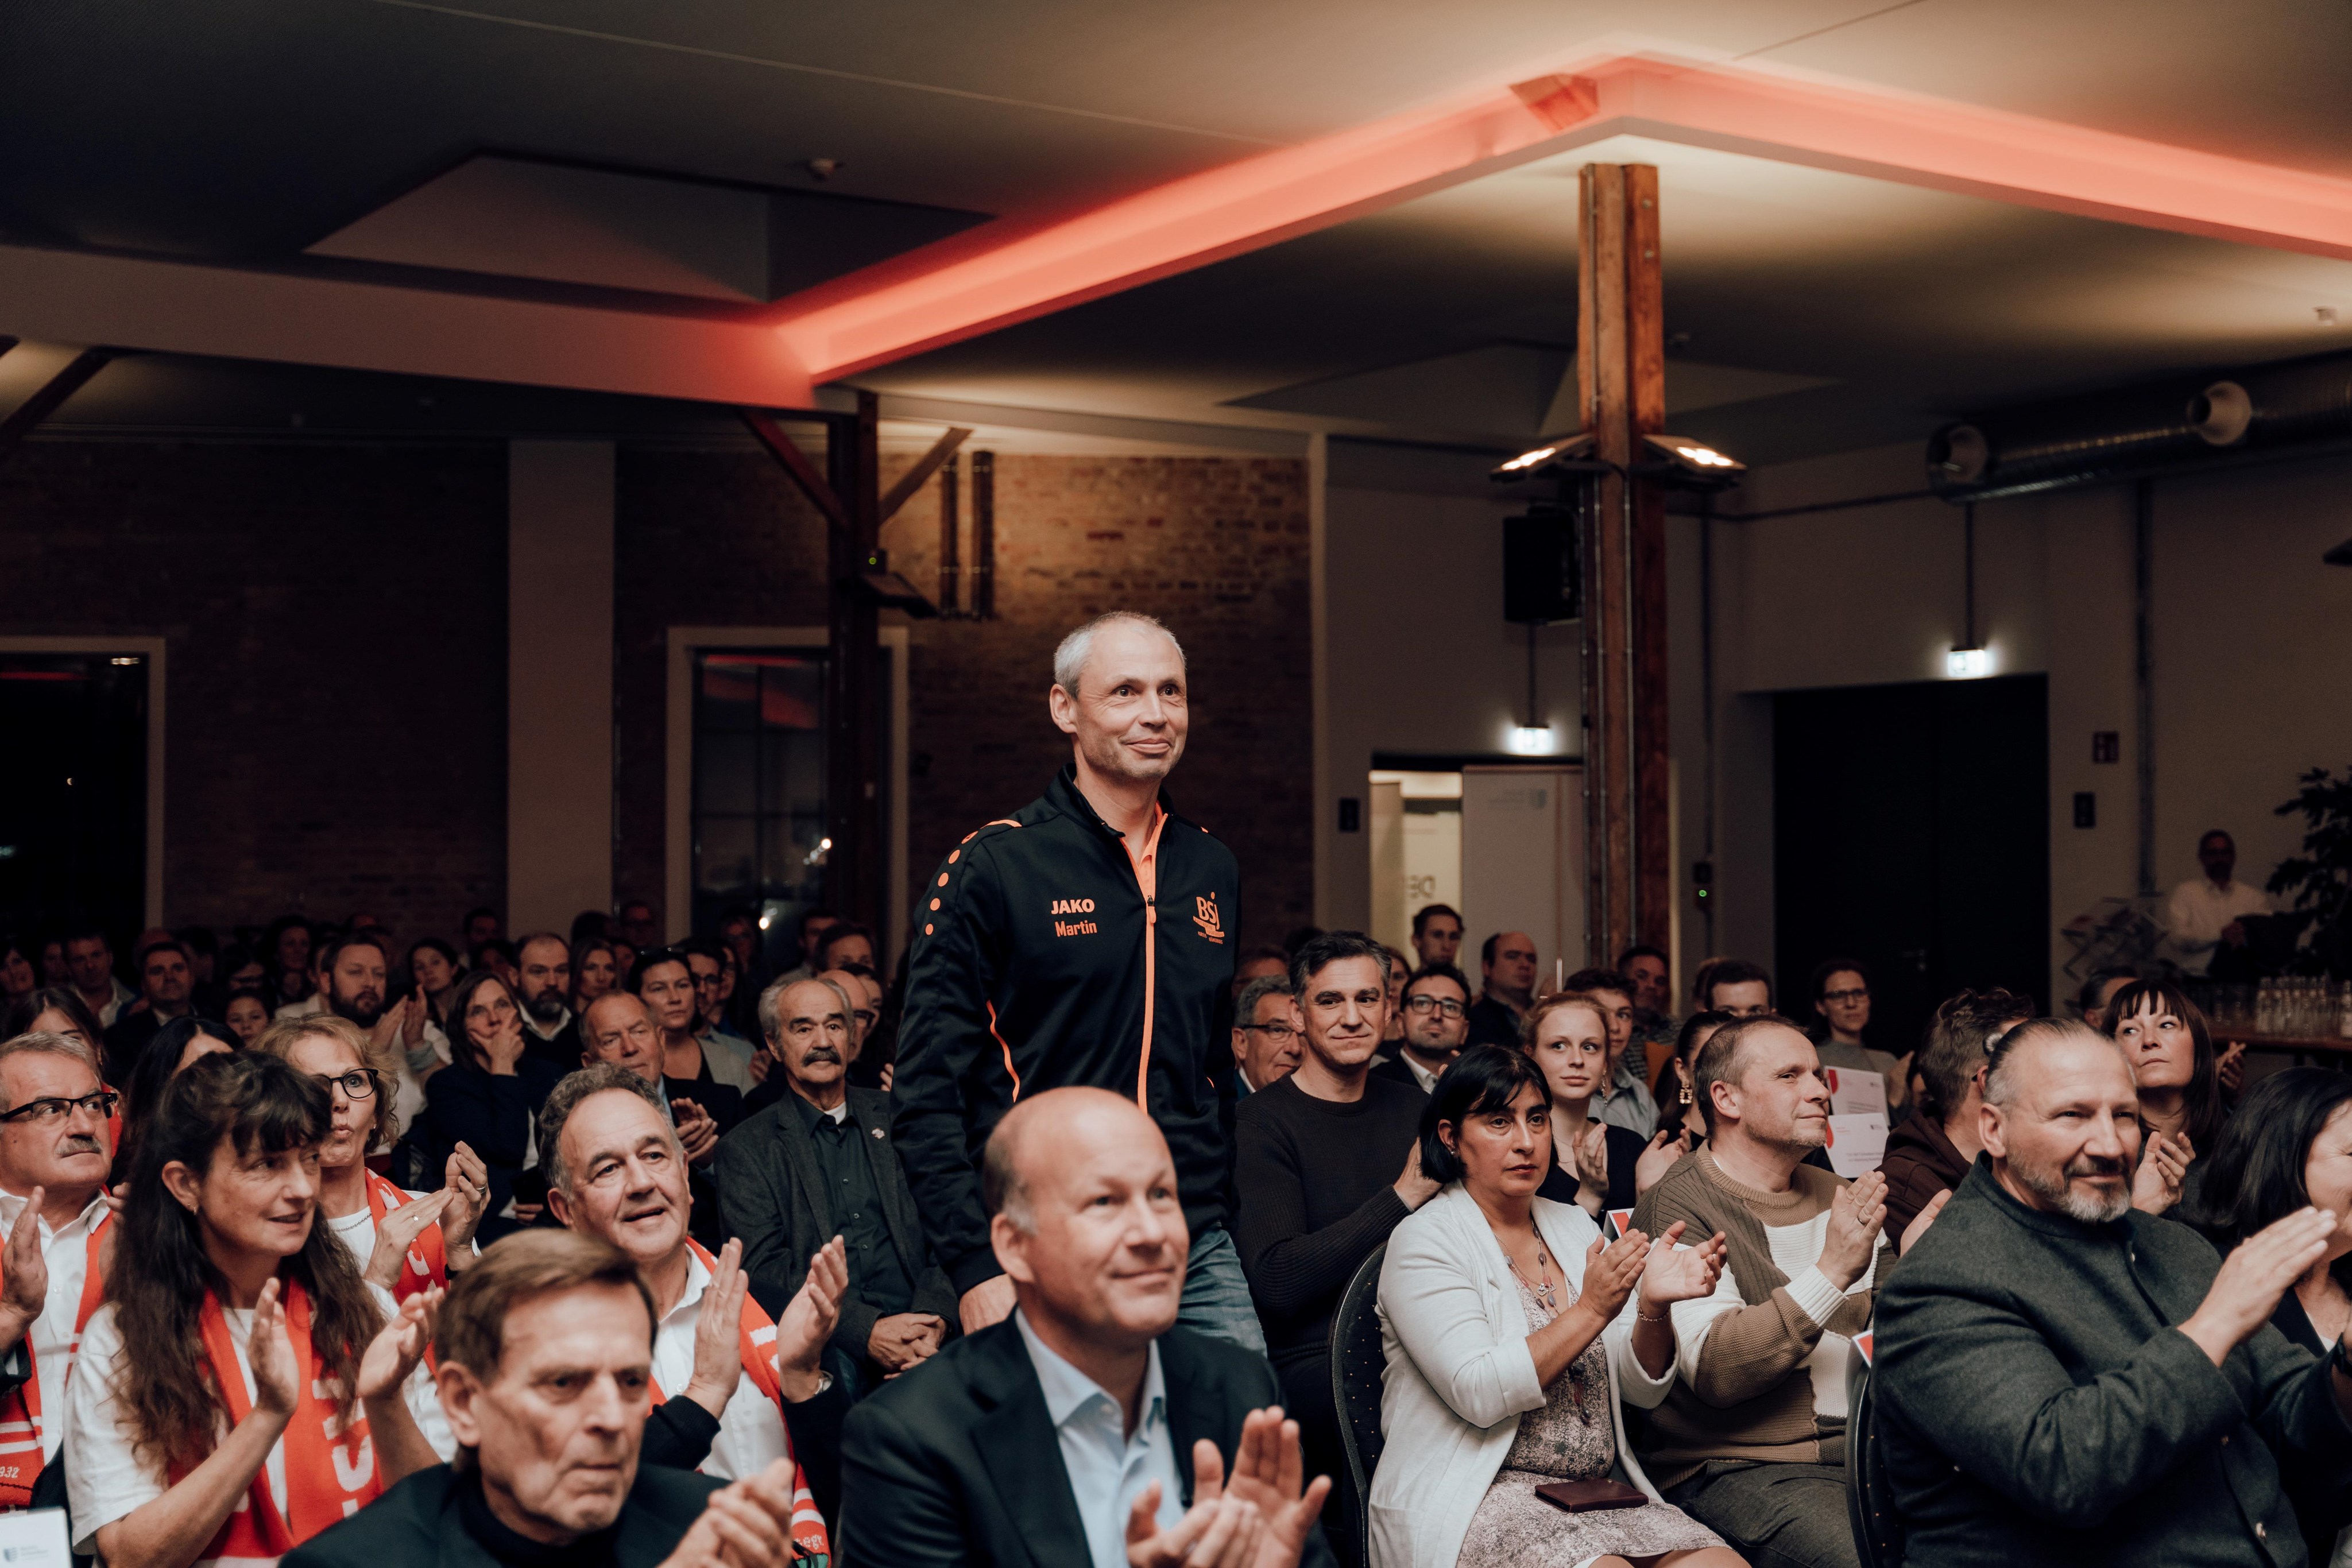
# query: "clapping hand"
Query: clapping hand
1673,1274
810,1318
2253,1278
2163,1166
1924,1219
1258,1520
399,1345
396,1232
1611,1271
746,1525
718,1332
271,1353
1857,1215
25,1289
696,1131
1666,1151
1268,1472
2231,1066
466,1185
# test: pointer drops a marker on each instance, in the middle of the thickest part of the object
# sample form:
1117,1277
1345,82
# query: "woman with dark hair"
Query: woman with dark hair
2164,1038
595,970
1675,1092
239,970
1841,992
246,1013
286,952
267,1373
178,1045
433,971
1512,1338
56,1010
2288,1148
488,1099
20,974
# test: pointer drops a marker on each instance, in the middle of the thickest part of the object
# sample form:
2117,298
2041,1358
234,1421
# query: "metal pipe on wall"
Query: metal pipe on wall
2143,672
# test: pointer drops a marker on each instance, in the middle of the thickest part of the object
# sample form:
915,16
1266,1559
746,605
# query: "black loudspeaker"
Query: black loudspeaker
1543,581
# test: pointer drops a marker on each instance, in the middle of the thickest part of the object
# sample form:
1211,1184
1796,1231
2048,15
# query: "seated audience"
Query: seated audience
595,970
1325,1162
1437,936
56,1010
1256,963
20,976
269,1393
246,1014
1930,1151
54,1156
1393,1032
1676,1093
1733,985
620,1032
2181,1100
487,1100
1061,1435
167,980
813,925
1751,1439
845,943
1624,1099
663,979
616,1173
544,982
819,1164
1650,972
1266,1046
404,1242
1842,1003
2289,1148
90,961
176,1047
2097,991
2061,1379
1513,1339
726,1056
1506,966
1593,1163
560,1481
1436,1008
354,981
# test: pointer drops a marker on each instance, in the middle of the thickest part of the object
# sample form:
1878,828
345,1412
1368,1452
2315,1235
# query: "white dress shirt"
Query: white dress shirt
53,1335
1108,1466
2195,912
751,1428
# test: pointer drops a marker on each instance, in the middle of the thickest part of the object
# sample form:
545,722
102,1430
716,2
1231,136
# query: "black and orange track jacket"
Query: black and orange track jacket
1044,955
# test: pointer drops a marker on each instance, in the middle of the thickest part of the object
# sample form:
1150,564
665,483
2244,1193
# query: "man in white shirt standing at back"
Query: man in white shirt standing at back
2204,913
54,1148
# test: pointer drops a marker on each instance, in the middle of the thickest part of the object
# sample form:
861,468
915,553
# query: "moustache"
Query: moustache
80,1144
822,1054
2095,1166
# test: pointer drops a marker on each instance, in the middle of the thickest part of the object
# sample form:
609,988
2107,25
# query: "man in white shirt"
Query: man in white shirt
2204,914
54,1142
616,1171
90,958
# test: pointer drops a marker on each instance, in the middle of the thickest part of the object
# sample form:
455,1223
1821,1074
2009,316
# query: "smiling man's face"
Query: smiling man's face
626,1182
1105,1251
1129,717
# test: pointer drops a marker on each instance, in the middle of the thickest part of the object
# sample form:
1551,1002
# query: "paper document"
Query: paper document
1856,1143
35,1537
1853,1092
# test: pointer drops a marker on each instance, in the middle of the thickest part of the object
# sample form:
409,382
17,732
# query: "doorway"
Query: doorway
1911,831
77,826
1501,843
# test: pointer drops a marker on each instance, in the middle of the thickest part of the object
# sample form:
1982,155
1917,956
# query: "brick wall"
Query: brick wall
335,626
1217,548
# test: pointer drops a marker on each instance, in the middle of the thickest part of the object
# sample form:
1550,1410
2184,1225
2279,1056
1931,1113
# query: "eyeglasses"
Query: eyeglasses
359,1082
1279,1030
1859,994
49,1113
1424,1006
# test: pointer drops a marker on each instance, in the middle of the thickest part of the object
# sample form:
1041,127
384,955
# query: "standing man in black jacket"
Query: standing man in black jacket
1085,941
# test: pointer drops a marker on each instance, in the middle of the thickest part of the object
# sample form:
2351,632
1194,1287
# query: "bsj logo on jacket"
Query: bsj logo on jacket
1211,925
1073,927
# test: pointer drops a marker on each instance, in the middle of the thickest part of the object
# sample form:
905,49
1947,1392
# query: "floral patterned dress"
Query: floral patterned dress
1571,1438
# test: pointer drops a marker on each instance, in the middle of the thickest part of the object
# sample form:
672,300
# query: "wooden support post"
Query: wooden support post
854,867
50,395
1620,389
914,478
951,538
983,536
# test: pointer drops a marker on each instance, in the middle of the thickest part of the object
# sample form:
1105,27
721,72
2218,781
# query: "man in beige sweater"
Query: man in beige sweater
1751,1439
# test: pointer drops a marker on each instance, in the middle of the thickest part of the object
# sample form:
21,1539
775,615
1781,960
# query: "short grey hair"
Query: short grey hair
771,1003
2003,1049
42,1041
1256,991
1070,656
566,1097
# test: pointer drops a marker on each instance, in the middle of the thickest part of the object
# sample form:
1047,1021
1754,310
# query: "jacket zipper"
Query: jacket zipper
1147,881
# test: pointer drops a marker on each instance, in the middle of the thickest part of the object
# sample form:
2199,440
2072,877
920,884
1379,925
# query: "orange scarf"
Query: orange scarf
20,1408
428,1261
758,1352
327,1479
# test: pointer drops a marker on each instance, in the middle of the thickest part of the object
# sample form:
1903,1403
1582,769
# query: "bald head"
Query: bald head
1011,1167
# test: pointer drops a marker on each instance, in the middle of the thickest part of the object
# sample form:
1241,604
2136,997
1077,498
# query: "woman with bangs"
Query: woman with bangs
1594,1161
271,1394
2180,1080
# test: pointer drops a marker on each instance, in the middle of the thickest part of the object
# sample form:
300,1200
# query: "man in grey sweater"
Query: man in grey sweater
2061,1379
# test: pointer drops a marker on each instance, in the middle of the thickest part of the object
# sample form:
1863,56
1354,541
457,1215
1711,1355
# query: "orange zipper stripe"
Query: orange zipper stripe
1010,1071
1147,881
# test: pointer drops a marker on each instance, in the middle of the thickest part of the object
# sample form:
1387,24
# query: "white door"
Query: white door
1523,863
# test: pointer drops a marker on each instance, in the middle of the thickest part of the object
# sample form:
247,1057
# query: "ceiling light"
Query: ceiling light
1559,453
1969,664
1694,458
1531,740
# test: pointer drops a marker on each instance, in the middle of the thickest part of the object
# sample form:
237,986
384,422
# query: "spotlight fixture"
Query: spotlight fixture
1691,464
1969,664
1676,462
1554,454
1531,740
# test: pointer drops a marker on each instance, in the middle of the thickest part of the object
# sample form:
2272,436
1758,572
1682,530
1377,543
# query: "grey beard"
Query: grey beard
2061,1196
547,1008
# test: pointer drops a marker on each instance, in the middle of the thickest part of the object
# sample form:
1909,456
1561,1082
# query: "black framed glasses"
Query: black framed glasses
359,1082
1279,1030
49,1113
1859,994
1424,1006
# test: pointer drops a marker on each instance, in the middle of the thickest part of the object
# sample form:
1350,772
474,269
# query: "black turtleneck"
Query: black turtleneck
518,1551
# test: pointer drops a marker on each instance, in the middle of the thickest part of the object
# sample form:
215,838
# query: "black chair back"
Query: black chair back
1356,1364
1869,1495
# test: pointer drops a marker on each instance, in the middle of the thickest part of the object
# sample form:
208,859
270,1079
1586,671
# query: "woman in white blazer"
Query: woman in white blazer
1509,1331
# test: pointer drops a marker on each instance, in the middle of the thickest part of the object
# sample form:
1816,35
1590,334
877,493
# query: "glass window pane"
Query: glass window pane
725,857
725,772
728,694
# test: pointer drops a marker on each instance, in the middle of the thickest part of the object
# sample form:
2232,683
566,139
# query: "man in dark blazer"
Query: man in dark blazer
539,1480
1433,1034
987,1454
820,1163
